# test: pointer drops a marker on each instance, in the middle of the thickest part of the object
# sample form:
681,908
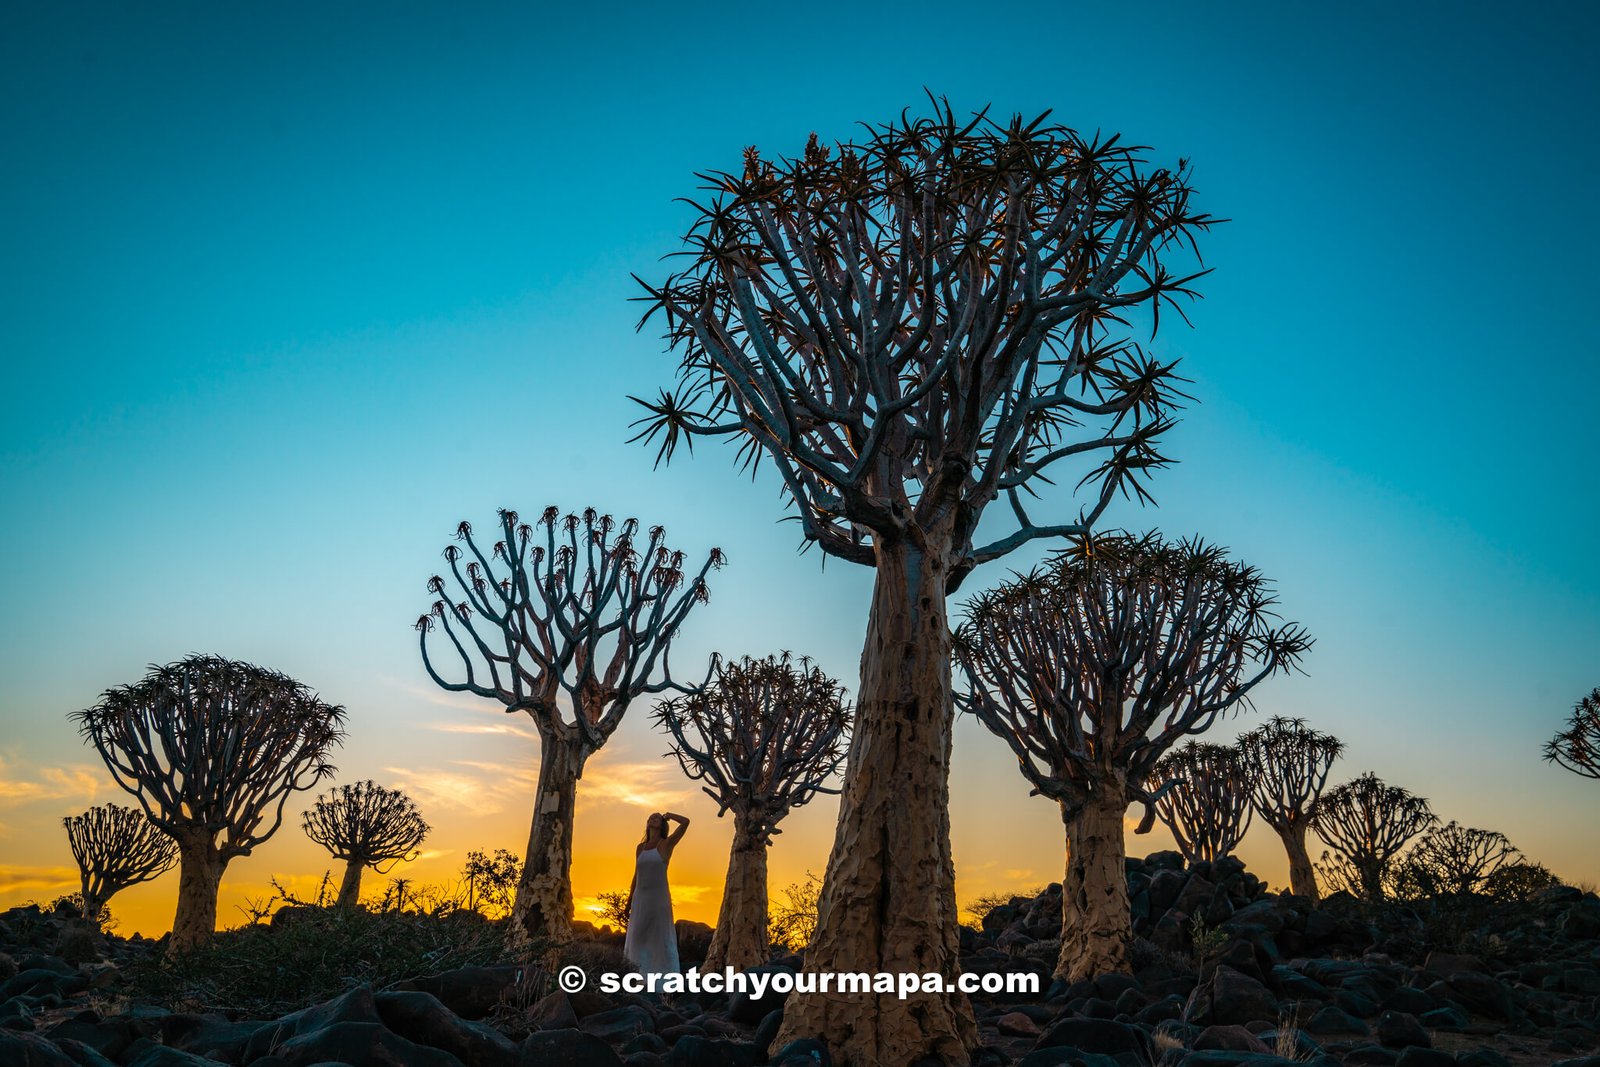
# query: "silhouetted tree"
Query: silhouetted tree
909,327
212,748
765,736
1207,802
491,881
1577,748
1453,860
1519,881
116,847
1367,823
568,627
1291,764
365,825
1093,666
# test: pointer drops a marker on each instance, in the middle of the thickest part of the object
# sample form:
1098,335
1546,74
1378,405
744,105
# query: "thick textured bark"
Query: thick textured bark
91,907
1302,875
888,900
1096,925
200,870
350,887
542,910
740,940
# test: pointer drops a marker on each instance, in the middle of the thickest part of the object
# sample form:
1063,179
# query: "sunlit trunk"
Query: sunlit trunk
542,910
200,870
740,940
1096,925
350,887
1302,875
888,901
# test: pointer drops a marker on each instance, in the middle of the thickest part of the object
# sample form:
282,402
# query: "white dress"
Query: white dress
652,941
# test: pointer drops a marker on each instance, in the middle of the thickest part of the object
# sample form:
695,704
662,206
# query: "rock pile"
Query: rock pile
1222,973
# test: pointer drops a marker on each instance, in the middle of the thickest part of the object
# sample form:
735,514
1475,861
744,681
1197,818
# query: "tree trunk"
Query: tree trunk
200,870
92,903
350,888
1302,875
740,940
542,910
1096,924
888,900
1371,872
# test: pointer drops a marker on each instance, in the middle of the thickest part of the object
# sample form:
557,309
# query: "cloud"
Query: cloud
651,786
15,879
17,786
1019,873
502,729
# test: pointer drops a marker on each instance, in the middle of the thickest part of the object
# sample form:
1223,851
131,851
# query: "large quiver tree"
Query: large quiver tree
1577,748
908,327
1367,823
365,825
1091,668
765,736
1291,763
567,621
1206,804
213,749
116,847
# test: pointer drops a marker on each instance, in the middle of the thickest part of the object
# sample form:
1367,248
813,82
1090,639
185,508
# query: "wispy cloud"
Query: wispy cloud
1019,873
652,786
502,729
15,879
18,786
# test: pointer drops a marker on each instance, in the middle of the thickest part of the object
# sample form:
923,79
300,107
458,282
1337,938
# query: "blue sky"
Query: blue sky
286,292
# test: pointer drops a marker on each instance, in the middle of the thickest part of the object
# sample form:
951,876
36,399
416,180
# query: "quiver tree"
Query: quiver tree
1453,860
213,749
765,736
116,847
1577,748
1206,804
1290,763
1367,823
909,327
365,825
567,620
1091,668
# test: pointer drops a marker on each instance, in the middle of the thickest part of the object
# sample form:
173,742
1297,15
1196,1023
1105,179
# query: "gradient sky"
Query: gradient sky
287,292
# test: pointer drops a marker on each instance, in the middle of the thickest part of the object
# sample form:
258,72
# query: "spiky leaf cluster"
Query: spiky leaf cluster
910,324
215,746
573,611
764,736
116,847
1577,748
1204,799
1111,652
1290,763
366,823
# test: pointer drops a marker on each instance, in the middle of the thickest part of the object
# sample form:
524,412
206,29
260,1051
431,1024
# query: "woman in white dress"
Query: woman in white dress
652,941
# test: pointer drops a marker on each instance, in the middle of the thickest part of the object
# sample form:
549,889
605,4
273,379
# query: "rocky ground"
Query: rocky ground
1223,973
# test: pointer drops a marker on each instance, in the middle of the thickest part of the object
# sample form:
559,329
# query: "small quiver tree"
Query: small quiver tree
765,736
567,621
116,847
365,825
1206,799
1453,860
1291,763
1367,823
1577,748
1091,668
910,327
213,749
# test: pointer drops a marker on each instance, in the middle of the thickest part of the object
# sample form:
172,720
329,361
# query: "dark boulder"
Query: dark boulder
422,1018
565,1048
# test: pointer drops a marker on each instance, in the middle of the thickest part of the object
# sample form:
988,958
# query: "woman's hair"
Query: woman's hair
655,815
